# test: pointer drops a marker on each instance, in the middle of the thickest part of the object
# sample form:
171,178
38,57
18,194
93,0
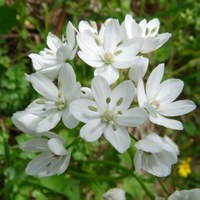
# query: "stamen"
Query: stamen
92,108
153,30
119,102
40,102
114,127
147,31
118,52
108,100
108,58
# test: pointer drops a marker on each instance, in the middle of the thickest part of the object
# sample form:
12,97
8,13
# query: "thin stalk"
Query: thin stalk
97,177
143,2
74,141
134,138
148,193
163,187
107,162
173,179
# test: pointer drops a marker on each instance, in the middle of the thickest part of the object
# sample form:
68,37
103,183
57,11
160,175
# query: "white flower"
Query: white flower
193,194
159,99
106,51
155,155
108,113
86,93
55,102
147,31
26,122
91,25
53,158
49,61
115,194
139,69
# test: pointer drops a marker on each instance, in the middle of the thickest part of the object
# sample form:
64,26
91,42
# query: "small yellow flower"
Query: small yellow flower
184,168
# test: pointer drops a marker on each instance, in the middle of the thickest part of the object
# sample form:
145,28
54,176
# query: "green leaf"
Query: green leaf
7,18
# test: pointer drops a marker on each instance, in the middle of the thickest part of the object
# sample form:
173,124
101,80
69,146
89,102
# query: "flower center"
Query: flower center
108,116
155,104
61,102
108,58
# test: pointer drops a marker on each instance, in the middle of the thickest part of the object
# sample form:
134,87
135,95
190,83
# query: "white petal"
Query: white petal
43,86
153,26
138,161
85,110
143,25
152,43
139,69
63,165
26,122
56,146
49,122
34,57
118,136
70,33
177,108
170,146
112,35
86,93
124,92
132,117
141,95
68,119
86,42
39,165
152,164
169,123
109,73
75,93
66,79
185,195
153,82
130,26
152,143
35,144
92,60
115,194
84,25
50,72
93,130
100,91
53,42
169,90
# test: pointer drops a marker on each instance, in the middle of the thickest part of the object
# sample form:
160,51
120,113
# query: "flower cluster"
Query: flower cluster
112,105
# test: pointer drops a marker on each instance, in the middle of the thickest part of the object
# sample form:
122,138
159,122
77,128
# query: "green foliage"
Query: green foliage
94,167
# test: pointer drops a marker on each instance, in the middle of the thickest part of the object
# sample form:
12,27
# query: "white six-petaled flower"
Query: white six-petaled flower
108,113
49,61
53,158
155,155
108,51
147,31
55,102
159,99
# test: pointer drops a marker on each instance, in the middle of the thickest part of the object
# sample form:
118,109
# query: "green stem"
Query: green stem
133,137
143,2
97,177
148,193
173,180
163,187
107,162
74,142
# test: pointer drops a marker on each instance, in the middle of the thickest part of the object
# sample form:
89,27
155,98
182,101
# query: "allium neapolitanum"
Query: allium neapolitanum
113,105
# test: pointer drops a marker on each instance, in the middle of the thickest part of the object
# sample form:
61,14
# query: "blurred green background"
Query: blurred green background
94,167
